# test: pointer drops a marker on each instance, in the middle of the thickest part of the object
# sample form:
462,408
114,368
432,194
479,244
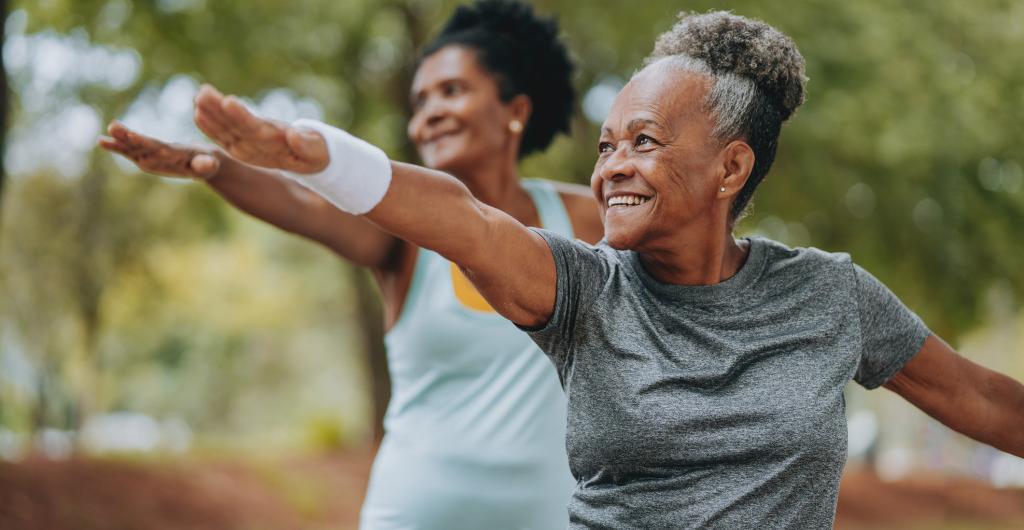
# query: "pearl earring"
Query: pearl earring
515,126
722,188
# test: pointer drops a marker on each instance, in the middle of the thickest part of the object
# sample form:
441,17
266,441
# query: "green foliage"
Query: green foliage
128,291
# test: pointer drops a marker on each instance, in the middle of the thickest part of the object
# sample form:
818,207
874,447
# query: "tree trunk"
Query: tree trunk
88,284
371,322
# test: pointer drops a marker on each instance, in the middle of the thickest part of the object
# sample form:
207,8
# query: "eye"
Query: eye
605,147
451,89
644,140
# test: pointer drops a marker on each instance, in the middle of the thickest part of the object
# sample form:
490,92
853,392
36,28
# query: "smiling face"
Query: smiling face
659,168
458,120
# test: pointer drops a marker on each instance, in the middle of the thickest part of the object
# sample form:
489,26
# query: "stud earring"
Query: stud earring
722,188
515,126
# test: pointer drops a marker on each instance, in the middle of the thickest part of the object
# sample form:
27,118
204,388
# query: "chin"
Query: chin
620,239
448,162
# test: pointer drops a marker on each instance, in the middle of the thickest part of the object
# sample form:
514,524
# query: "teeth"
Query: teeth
627,200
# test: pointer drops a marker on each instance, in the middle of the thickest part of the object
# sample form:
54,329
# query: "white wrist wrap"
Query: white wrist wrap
357,175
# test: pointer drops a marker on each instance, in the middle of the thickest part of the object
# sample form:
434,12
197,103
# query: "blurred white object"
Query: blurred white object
894,463
131,431
862,431
1007,471
54,444
12,445
176,434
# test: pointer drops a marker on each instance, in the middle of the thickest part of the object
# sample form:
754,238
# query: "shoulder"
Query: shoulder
576,253
582,209
805,261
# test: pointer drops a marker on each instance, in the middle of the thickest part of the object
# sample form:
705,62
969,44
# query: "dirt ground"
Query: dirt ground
325,492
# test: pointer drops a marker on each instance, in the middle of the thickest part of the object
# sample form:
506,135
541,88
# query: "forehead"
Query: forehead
661,92
450,62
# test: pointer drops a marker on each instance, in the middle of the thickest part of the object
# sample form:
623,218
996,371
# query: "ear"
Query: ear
520,107
737,163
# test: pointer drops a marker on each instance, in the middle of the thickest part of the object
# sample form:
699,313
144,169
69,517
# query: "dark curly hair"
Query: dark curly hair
523,52
758,81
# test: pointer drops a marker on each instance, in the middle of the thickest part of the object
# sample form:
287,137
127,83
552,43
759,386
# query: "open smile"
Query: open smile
626,200
440,135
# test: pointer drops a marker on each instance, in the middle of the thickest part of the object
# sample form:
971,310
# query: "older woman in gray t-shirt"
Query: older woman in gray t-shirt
704,372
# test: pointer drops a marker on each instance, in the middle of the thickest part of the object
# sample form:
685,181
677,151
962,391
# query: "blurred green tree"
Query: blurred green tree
906,155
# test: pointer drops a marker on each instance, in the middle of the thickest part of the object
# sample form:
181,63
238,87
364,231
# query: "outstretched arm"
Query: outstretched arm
510,265
266,195
973,400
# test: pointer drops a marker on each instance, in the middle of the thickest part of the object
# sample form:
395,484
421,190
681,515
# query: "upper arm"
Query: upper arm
514,270
967,397
937,380
510,265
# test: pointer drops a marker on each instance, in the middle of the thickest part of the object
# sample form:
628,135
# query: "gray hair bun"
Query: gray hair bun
729,43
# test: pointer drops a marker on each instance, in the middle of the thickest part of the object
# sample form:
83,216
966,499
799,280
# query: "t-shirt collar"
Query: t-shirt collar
744,278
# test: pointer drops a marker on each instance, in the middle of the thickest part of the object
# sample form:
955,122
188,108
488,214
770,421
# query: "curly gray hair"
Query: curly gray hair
758,81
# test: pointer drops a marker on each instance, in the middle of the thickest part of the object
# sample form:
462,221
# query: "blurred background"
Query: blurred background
167,362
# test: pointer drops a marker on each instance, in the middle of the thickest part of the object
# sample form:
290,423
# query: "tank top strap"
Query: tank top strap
553,215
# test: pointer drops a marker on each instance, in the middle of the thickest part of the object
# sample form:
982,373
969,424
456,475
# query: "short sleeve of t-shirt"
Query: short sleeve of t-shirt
890,332
581,272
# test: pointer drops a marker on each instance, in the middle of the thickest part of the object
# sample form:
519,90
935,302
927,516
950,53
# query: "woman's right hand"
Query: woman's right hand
154,156
255,140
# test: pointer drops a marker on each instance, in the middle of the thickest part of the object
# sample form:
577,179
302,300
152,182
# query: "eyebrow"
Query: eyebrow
636,123
442,81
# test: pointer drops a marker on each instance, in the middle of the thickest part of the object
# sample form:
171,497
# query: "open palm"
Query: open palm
154,156
255,140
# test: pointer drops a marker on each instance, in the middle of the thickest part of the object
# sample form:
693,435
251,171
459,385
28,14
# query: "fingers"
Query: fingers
131,151
154,156
112,144
132,139
243,121
204,165
309,148
137,147
243,134
212,127
256,136
209,117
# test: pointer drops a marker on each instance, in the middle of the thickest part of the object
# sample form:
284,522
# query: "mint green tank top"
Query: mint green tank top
475,429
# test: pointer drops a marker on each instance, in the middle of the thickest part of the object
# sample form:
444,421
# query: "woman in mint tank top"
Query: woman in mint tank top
475,430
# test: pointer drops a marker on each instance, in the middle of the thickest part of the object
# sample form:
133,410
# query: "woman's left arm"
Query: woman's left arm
966,397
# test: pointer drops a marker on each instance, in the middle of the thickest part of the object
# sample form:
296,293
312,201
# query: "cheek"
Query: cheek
412,129
596,185
487,119
695,192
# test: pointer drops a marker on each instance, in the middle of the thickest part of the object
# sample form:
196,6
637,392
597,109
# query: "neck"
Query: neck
497,184
703,255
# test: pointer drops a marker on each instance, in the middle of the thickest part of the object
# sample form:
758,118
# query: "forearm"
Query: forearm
511,266
272,197
963,395
1002,424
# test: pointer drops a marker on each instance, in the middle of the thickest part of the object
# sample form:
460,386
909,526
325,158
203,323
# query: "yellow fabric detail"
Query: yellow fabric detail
466,293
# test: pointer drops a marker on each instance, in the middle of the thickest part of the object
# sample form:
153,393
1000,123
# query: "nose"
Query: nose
618,166
434,110
429,115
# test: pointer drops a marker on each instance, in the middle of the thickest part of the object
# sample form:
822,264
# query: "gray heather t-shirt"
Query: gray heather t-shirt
715,406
